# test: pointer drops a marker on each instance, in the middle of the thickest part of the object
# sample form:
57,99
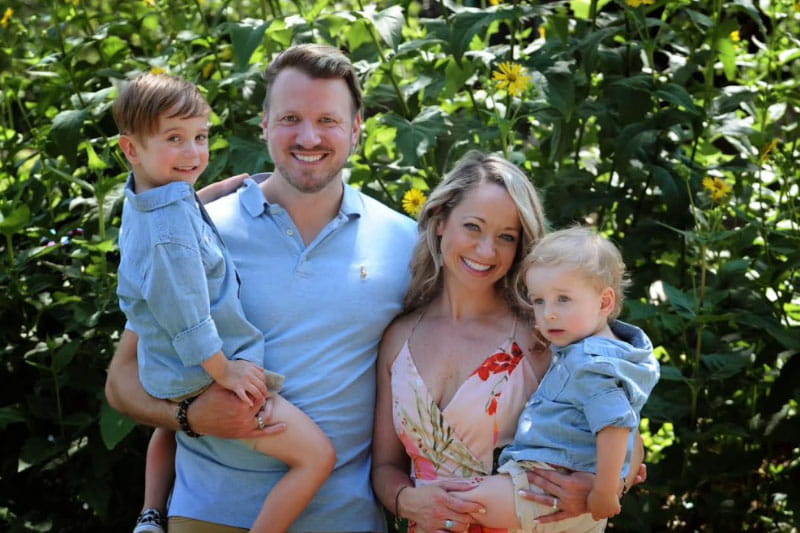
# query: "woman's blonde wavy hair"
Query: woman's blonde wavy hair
470,171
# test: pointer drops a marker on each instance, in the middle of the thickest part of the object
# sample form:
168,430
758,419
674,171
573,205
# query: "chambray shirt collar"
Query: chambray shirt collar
255,203
158,197
627,333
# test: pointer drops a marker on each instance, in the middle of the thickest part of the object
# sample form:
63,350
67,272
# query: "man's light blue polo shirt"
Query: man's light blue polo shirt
178,289
591,384
322,309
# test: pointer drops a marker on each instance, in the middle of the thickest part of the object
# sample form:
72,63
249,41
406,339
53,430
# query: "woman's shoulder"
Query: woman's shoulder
396,335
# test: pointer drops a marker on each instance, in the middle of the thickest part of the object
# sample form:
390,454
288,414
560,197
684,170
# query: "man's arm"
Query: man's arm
125,393
217,411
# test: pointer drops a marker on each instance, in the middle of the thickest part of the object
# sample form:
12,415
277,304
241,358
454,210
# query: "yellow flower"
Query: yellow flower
543,31
767,150
495,2
716,187
413,200
6,17
735,37
158,70
512,78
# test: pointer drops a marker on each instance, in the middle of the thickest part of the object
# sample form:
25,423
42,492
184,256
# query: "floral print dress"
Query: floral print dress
458,442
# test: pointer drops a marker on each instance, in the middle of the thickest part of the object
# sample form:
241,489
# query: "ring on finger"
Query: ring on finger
261,424
555,503
449,524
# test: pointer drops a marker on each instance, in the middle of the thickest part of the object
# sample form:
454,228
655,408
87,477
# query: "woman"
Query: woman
456,369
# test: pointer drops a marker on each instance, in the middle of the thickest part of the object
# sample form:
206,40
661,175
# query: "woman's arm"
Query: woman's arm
428,506
216,412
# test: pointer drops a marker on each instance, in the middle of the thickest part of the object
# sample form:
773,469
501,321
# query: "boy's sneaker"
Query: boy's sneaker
150,521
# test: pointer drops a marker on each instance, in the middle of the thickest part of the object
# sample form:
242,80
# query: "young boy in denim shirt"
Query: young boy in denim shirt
582,415
180,293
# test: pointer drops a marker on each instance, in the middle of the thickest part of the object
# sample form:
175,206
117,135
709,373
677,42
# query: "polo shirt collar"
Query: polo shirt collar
255,203
158,197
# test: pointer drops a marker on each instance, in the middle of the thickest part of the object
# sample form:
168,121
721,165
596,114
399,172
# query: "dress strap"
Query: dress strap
514,328
414,327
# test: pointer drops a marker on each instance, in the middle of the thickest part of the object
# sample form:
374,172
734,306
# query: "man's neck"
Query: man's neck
310,212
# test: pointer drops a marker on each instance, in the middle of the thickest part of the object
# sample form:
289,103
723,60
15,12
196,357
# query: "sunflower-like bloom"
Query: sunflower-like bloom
512,78
6,17
413,200
716,187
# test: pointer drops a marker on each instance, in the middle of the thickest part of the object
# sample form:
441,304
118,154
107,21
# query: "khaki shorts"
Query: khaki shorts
179,524
528,511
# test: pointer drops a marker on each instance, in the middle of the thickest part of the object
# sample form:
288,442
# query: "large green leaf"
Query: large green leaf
388,22
725,365
113,426
415,138
66,132
682,302
10,415
246,36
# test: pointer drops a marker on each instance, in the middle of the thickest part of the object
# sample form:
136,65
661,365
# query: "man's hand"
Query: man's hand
221,188
220,413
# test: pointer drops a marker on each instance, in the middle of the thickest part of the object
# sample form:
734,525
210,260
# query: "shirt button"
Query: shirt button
289,232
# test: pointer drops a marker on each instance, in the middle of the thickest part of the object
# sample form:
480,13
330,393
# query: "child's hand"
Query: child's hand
246,380
603,504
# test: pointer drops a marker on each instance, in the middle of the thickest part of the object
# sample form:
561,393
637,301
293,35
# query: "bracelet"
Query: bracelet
183,420
397,501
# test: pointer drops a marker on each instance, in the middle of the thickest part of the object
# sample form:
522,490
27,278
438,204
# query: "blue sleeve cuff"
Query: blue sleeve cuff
610,408
197,343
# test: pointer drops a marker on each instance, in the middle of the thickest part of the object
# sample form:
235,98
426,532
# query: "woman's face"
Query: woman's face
480,237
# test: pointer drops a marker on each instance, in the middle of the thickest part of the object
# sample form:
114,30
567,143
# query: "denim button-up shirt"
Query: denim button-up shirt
179,291
592,384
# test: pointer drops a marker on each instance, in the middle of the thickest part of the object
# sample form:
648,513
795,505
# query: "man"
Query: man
323,270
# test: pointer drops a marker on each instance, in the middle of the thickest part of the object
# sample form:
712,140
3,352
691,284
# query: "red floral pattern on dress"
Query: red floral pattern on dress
500,362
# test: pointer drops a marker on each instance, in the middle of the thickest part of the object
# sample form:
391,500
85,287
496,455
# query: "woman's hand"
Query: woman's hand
221,188
431,506
566,493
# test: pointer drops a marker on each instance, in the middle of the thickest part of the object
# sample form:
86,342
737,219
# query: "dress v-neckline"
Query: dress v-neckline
504,348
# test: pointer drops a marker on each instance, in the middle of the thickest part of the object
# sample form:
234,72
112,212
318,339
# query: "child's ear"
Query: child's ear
608,298
128,147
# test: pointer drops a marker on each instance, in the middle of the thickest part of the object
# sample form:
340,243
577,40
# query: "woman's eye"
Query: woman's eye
471,226
508,237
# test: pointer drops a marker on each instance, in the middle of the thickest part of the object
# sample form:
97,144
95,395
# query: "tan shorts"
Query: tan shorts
179,524
528,511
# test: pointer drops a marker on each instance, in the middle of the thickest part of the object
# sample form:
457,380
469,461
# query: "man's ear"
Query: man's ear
128,147
608,299
264,125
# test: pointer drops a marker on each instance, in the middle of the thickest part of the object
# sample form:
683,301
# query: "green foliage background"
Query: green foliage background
628,111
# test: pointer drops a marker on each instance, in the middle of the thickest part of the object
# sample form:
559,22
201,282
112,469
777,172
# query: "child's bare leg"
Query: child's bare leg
310,456
159,471
496,495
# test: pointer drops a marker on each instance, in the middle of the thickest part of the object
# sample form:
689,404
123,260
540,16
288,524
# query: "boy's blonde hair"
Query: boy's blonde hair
144,100
583,250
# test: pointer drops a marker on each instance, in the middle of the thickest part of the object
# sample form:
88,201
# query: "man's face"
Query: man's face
310,129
